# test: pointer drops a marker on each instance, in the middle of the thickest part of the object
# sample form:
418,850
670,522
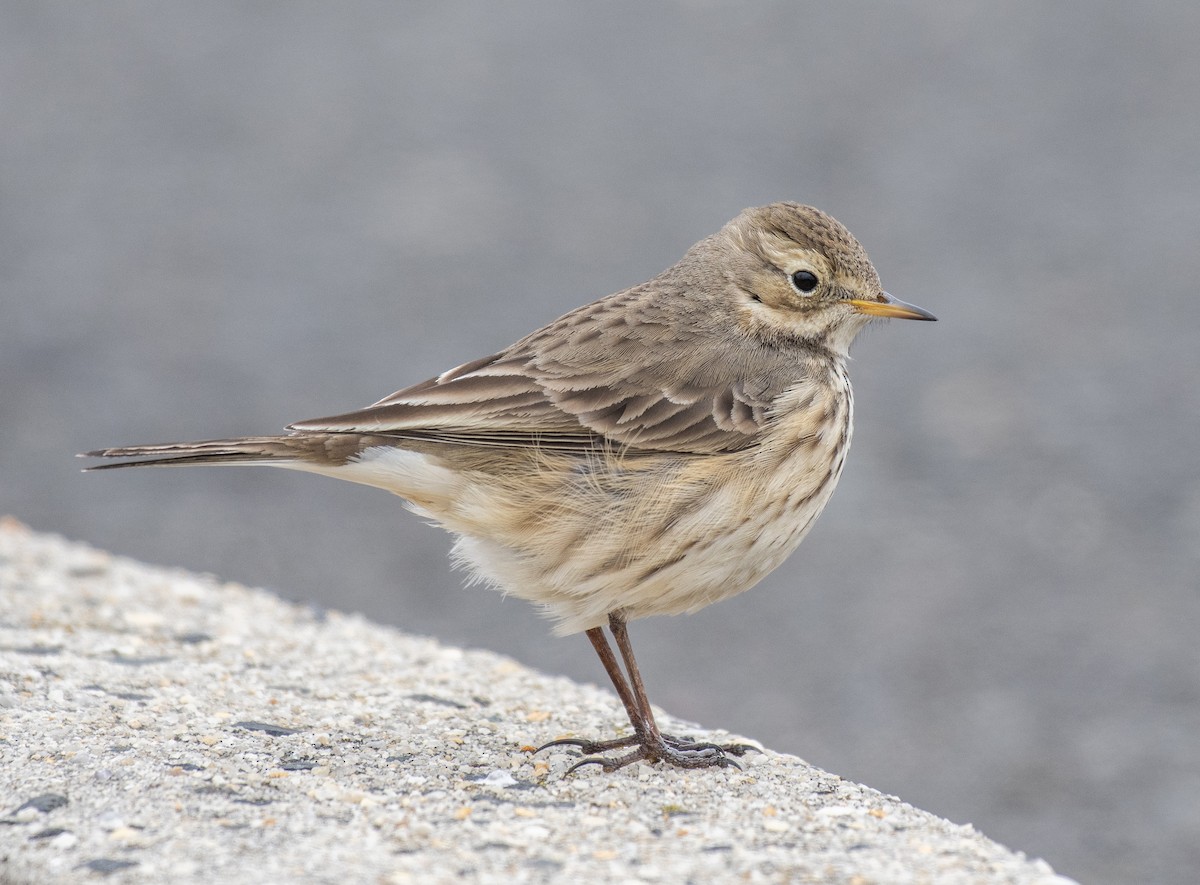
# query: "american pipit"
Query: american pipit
649,453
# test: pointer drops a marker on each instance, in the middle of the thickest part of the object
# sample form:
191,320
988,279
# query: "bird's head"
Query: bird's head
795,273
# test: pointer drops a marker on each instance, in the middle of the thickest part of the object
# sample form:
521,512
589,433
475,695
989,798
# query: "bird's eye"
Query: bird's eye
805,280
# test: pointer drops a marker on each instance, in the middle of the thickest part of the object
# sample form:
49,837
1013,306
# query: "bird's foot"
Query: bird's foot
676,751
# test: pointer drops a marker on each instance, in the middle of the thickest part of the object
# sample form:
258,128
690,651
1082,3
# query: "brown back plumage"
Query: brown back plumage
664,366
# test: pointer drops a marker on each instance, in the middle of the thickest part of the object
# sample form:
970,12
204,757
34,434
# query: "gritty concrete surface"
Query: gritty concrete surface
163,726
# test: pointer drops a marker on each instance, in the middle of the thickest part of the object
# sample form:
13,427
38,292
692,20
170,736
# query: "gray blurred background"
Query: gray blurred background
219,217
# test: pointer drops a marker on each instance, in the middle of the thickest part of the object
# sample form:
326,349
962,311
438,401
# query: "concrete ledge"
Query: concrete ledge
160,726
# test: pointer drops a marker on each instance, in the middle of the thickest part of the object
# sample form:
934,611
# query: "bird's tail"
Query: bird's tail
279,450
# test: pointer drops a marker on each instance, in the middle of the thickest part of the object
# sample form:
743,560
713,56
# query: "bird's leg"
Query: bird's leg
648,742
609,660
641,701
620,631
605,653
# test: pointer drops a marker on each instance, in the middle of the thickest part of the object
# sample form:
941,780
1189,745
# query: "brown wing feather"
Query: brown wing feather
615,372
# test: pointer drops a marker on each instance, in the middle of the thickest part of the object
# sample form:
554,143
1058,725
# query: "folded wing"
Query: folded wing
615,372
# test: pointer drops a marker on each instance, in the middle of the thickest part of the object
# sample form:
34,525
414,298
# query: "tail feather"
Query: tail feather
247,450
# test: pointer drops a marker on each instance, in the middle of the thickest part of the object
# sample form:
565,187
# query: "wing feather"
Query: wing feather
598,376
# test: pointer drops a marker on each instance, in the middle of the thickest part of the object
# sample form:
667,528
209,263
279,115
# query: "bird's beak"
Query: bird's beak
887,306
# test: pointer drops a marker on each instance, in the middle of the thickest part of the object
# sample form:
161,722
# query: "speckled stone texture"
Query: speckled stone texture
161,726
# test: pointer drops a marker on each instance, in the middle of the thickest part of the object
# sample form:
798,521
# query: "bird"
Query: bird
650,453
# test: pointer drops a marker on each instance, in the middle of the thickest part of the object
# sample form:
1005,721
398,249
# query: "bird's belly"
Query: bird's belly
649,535
656,539
749,534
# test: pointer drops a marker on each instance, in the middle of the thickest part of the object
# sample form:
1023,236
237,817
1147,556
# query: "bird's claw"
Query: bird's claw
591,748
675,751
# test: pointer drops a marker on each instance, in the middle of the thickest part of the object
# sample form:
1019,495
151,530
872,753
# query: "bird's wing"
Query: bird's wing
593,377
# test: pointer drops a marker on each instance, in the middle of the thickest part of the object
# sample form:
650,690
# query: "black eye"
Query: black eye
805,280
